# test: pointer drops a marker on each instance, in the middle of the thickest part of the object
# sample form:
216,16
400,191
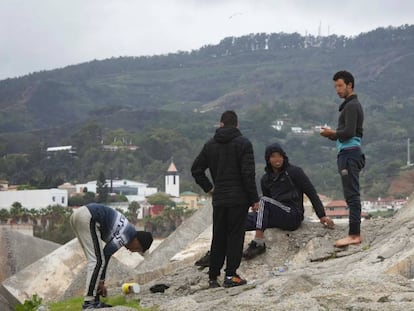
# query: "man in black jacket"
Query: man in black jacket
281,206
230,160
350,159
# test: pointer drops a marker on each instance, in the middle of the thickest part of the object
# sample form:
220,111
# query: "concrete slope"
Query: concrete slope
48,277
19,250
61,274
176,242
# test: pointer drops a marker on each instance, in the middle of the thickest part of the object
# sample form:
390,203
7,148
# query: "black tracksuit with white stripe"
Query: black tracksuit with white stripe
282,203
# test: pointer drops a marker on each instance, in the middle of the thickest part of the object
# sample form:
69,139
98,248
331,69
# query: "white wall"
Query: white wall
142,189
172,185
36,199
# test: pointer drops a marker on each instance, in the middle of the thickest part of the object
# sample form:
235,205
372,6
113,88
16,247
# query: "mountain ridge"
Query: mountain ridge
264,77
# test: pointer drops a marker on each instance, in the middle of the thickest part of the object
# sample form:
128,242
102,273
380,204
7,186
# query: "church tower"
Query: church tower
172,181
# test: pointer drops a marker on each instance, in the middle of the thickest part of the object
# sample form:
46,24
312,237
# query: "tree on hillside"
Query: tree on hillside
55,224
102,188
4,215
16,211
132,213
160,198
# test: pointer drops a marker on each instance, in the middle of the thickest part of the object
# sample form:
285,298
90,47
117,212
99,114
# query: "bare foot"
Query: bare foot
350,239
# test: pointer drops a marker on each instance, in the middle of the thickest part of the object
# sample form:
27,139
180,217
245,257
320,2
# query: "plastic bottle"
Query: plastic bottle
129,288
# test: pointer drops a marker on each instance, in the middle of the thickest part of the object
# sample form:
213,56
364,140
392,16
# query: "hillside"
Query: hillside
238,72
403,184
168,105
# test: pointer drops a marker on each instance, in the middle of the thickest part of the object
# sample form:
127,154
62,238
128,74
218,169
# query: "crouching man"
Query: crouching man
93,224
281,206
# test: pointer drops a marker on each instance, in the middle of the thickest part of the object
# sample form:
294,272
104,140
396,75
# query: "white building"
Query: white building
172,181
278,125
36,199
296,129
57,149
134,191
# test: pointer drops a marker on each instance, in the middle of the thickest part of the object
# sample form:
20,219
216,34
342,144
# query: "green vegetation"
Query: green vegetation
383,214
169,219
53,222
167,106
76,302
30,305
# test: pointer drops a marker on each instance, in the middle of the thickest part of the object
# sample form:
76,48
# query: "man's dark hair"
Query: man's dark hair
346,76
229,118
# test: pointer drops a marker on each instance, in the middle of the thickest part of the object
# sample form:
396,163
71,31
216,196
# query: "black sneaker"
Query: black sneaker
253,250
203,261
213,284
94,305
235,280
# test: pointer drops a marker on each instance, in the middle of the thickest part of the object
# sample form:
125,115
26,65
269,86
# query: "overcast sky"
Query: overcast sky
46,34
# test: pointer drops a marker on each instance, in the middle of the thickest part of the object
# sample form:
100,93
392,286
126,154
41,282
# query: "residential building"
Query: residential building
383,204
338,210
190,199
134,191
68,149
36,199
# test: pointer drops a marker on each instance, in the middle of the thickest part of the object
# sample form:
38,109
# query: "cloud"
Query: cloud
46,34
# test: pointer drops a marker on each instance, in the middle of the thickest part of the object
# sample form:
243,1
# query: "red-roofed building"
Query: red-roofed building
338,209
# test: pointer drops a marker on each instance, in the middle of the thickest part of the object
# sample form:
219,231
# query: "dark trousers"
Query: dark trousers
228,239
350,162
273,214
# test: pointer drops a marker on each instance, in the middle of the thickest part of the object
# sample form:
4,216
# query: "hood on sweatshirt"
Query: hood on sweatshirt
226,134
275,147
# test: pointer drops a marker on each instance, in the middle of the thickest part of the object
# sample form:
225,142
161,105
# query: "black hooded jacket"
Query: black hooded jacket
289,185
230,160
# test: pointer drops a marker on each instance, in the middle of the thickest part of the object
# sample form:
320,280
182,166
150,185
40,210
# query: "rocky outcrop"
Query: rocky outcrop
301,270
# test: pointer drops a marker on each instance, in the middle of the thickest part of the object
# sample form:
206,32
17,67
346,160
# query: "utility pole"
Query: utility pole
408,153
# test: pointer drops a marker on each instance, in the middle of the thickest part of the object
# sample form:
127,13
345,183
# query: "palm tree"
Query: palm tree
4,215
16,211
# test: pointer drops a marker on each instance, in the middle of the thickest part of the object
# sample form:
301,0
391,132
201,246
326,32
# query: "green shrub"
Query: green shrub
30,305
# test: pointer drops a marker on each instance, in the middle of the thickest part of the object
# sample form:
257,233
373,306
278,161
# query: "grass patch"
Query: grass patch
383,214
76,302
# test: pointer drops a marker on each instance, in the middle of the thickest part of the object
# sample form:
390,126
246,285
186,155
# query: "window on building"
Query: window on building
54,199
63,200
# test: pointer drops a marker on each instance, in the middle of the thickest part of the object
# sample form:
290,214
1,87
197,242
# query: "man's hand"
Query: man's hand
255,207
102,291
328,132
327,222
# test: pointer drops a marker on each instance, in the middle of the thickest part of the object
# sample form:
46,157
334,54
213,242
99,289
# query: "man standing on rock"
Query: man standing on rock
93,223
230,160
350,158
